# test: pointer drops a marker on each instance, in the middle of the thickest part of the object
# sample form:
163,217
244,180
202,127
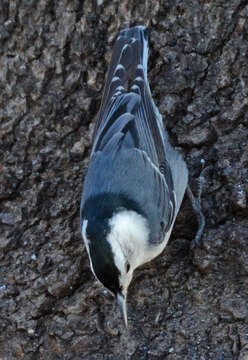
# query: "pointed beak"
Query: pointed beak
123,306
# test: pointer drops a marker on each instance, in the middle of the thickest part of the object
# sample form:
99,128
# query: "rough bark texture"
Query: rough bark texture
53,60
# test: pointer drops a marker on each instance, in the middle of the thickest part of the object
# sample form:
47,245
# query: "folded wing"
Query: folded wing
129,133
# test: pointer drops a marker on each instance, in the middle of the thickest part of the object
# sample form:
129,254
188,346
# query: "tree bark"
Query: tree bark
187,304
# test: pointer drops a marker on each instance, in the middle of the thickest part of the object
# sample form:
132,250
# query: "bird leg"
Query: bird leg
196,205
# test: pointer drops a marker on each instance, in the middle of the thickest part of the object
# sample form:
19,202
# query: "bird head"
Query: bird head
108,260
116,234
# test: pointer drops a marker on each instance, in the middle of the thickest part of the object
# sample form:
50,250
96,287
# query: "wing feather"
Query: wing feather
129,134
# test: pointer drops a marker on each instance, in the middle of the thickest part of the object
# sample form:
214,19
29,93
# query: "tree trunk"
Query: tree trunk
187,304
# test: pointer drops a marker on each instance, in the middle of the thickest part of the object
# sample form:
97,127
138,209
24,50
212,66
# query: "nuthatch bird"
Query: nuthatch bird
136,180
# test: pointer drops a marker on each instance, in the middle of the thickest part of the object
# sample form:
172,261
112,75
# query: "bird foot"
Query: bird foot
196,205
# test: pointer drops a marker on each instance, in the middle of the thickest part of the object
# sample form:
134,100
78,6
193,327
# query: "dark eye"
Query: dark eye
127,267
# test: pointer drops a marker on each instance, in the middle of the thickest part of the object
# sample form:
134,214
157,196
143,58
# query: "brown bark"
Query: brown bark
53,60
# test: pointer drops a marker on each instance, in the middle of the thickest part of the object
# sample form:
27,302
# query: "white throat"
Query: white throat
129,235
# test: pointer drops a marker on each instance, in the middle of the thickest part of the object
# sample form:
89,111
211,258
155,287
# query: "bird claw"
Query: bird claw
196,205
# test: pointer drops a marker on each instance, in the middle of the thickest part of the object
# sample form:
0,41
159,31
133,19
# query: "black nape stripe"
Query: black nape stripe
103,206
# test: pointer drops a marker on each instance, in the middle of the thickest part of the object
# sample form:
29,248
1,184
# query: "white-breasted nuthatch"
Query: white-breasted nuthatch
135,181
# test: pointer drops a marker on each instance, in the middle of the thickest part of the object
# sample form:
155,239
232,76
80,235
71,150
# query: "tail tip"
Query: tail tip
135,29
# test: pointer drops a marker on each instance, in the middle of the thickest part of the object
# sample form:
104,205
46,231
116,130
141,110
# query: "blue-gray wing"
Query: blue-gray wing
127,74
120,169
131,152
127,91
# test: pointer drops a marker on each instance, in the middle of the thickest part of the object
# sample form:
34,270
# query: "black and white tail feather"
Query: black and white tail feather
133,166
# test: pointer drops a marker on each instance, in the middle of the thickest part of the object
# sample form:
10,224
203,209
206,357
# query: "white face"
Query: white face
128,238
121,262
124,266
